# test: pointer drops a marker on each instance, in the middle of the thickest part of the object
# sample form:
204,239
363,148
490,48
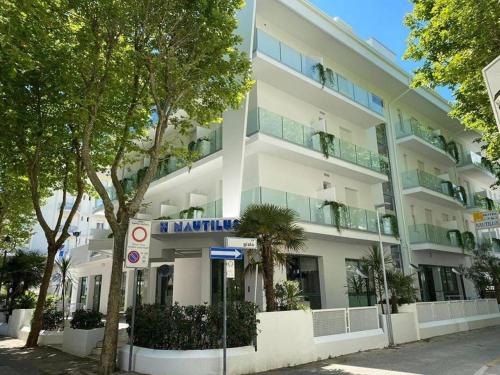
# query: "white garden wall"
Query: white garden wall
20,319
81,342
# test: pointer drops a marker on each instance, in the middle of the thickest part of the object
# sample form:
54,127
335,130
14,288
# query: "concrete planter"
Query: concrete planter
51,337
20,318
80,342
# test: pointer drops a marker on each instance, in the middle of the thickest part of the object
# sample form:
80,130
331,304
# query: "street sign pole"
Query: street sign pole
132,323
224,326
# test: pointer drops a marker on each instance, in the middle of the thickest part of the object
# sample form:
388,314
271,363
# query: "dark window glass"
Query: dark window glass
360,285
165,285
304,269
235,287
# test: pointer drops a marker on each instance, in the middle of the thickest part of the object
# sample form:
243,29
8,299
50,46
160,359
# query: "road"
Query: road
468,353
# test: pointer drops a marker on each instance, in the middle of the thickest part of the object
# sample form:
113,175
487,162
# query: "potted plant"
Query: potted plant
469,240
326,76
338,211
325,142
85,331
390,224
455,237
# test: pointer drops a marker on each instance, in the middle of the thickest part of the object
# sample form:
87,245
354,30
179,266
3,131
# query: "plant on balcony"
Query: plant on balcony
442,141
455,234
325,74
394,224
449,188
327,143
460,194
488,203
338,210
488,165
469,240
190,212
452,149
164,218
384,166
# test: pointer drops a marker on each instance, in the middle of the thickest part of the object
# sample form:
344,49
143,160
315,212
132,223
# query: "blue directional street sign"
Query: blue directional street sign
226,253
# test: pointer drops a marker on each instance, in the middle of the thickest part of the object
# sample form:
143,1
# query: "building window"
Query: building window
235,287
360,285
165,285
96,298
304,269
82,300
142,277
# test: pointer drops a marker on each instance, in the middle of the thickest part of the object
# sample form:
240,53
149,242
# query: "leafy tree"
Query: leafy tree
485,271
36,110
23,270
277,233
455,40
401,288
177,59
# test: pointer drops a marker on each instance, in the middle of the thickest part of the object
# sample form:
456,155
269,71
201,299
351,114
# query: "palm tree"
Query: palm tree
62,278
373,262
277,233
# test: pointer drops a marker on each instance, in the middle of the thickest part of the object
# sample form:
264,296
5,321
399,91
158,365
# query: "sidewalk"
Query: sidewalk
16,360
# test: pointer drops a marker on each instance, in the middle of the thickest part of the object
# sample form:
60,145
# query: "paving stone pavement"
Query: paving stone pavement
16,360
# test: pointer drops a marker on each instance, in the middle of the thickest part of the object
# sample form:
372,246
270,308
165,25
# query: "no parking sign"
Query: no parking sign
139,235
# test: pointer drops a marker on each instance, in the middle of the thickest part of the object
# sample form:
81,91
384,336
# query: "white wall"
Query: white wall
187,281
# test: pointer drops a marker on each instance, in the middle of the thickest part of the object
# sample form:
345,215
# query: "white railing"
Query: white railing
336,321
444,310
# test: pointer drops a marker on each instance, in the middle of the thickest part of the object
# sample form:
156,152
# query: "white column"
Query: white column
206,276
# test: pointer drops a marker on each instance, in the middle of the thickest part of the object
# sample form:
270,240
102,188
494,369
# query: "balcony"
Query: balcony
355,223
206,211
481,202
478,168
304,147
422,139
431,237
293,72
425,186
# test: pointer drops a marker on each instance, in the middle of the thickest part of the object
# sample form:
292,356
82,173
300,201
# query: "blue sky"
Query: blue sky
381,19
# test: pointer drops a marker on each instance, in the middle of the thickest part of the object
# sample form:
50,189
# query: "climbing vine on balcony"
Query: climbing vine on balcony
327,143
325,74
338,210
189,213
454,233
452,149
442,141
394,224
488,203
468,240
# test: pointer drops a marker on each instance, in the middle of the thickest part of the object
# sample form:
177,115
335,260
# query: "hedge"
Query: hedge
193,327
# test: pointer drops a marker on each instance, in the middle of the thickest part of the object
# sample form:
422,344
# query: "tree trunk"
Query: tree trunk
497,293
2,273
268,273
108,355
36,324
63,302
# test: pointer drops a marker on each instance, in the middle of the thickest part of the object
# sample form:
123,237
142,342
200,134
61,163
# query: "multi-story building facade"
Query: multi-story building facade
392,144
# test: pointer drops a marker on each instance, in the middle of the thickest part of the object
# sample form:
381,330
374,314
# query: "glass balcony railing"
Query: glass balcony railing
209,210
307,66
269,123
413,127
418,178
473,158
482,202
314,211
203,147
428,233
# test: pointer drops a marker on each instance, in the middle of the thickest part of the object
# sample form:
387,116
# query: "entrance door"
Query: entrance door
304,269
96,298
427,287
165,285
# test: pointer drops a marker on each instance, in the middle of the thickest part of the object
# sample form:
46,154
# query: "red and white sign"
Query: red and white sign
139,236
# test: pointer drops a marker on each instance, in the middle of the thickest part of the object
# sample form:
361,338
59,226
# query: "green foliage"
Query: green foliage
372,265
338,212
455,40
488,203
277,233
189,213
26,300
394,224
52,318
289,296
452,149
485,271
193,327
469,240
454,234
327,143
401,289
325,74
86,319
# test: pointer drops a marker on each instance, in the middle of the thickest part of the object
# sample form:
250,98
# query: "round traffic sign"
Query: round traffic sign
133,256
139,234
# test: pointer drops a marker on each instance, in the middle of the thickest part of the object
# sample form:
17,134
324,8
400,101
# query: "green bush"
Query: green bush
25,301
289,296
52,319
86,319
193,327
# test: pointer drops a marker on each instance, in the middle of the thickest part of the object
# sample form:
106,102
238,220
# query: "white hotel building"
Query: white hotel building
387,148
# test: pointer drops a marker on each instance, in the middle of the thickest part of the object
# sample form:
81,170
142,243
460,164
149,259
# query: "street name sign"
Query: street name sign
244,243
138,239
226,253
486,220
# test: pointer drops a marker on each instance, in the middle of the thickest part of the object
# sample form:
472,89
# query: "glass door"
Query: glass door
165,285
304,269
96,298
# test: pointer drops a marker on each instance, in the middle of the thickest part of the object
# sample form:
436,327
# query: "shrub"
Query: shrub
193,327
25,301
289,296
86,319
52,319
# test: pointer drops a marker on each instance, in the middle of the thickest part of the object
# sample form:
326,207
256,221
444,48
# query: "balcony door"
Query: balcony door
96,297
304,269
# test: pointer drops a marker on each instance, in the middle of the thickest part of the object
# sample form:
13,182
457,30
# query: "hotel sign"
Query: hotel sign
486,220
197,226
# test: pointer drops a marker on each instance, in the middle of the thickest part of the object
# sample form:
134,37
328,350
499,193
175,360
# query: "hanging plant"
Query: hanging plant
338,211
384,166
460,194
325,74
189,212
469,240
327,143
449,188
488,203
442,141
458,237
394,224
452,149
488,165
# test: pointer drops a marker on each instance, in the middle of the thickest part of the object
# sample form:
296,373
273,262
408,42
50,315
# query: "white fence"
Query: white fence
445,310
336,321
